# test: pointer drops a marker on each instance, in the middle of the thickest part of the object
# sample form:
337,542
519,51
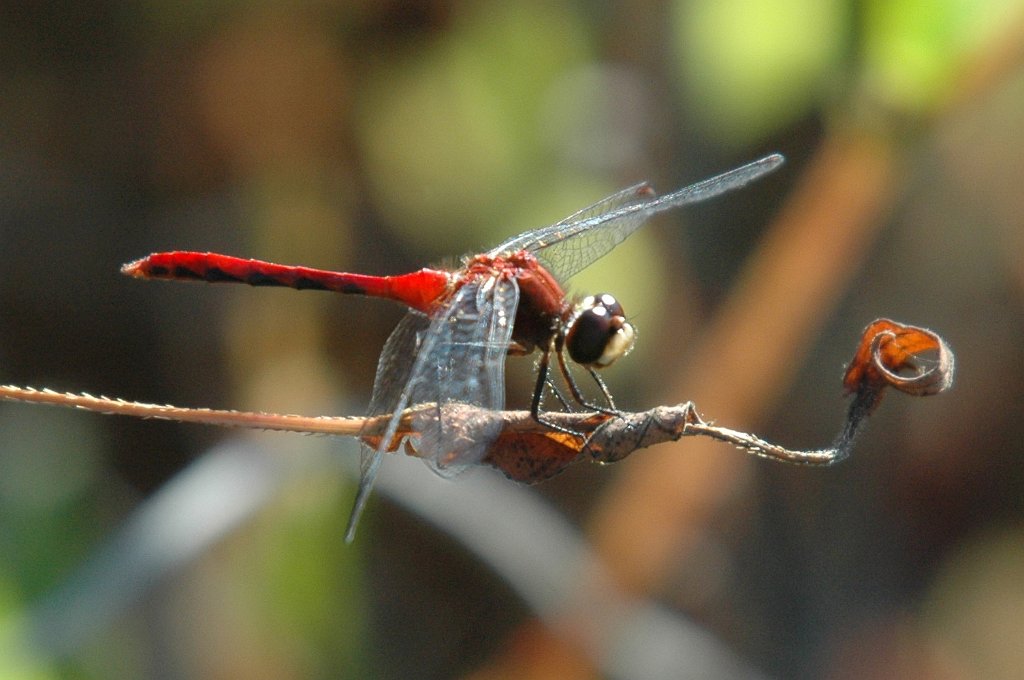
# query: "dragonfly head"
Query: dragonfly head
597,333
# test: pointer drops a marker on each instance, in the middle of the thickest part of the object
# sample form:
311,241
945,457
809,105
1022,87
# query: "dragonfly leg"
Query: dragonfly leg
577,394
604,389
543,377
538,395
558,394
538,389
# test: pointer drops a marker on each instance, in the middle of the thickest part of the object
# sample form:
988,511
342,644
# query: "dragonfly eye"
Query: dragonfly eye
598,332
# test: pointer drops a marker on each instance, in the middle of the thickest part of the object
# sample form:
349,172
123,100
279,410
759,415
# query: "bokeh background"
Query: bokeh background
382,136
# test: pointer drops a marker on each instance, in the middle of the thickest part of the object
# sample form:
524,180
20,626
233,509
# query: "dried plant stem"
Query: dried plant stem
610,438
204,416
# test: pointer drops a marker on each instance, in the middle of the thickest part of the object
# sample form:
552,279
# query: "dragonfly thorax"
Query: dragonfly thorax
542,308
597,333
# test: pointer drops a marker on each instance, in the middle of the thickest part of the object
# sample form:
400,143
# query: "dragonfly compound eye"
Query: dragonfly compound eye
598,332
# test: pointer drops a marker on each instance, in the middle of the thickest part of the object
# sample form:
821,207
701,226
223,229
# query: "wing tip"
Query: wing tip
771,161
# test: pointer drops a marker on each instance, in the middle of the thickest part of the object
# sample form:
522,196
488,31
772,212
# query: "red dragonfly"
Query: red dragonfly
451,345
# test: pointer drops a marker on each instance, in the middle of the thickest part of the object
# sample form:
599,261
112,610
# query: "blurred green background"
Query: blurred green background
383,136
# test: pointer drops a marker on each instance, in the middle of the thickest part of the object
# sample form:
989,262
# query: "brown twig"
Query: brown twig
529,451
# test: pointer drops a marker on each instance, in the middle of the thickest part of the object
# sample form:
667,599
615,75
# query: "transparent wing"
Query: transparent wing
456,356
466,366
396,362
393,370
538,238
621,199
577,241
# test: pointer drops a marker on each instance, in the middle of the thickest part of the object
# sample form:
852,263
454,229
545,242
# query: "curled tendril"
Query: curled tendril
887,350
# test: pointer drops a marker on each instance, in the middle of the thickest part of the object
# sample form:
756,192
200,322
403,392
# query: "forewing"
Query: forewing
538,239
574,243
467,366
459,357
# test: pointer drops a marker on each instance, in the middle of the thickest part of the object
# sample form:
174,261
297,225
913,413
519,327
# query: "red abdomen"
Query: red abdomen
419,290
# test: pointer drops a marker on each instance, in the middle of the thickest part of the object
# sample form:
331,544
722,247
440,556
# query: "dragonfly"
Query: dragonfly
450,347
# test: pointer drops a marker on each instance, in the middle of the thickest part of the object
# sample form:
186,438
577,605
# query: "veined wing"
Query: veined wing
394,367
467,367
537,239
574,243
459,357
638,193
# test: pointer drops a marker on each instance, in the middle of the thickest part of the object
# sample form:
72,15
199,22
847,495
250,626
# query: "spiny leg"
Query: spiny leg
578,395
604,389
542,381
558,395
538,395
